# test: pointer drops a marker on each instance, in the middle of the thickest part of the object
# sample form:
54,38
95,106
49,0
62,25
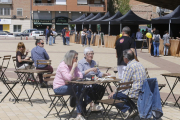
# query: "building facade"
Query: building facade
57,13
15,15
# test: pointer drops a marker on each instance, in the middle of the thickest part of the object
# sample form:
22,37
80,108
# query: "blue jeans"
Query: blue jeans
156,48
89,41
46,39
67,40
123,107
54,40
166,50
50,40
85,41
68,90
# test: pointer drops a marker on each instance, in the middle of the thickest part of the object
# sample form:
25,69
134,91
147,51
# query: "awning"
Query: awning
37,23
62,24
168,4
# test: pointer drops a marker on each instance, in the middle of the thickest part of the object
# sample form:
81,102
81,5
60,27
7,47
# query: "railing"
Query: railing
92,5
46,4
5,1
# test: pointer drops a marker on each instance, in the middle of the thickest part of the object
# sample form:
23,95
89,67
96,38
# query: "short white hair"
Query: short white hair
69,56
88,49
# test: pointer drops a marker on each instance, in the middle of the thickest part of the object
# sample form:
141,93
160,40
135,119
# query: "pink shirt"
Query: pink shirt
63,74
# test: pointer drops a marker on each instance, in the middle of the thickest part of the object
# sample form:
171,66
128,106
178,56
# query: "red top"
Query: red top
67,34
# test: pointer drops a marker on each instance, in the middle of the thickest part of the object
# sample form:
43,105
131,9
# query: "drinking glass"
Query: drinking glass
97,64
115,70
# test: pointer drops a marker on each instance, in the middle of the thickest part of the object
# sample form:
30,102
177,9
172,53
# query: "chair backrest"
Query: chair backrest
14,61
5,62
43,62
123,86
147,75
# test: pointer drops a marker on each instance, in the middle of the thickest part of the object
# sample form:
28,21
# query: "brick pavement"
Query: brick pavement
105,56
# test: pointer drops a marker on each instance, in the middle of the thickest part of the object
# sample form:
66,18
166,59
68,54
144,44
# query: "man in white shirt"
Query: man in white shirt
83,37
139,34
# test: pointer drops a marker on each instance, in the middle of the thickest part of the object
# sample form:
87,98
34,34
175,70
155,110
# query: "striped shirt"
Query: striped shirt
83,65
134,72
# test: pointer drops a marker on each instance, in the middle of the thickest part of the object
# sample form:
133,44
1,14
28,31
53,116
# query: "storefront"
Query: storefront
60,23
41,24
5,24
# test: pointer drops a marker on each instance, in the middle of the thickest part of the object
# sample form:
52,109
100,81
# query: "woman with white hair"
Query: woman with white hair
68,71
87,67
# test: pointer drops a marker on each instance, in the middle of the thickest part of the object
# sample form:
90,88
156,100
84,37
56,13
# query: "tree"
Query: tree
112,8
123,6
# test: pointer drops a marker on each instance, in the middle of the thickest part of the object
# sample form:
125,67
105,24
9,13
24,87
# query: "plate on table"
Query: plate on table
113,77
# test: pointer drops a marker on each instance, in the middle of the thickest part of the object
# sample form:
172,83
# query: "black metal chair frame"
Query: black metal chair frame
7,82
54,101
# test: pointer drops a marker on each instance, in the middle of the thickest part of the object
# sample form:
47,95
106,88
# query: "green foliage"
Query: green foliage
149,25
123,6
72,26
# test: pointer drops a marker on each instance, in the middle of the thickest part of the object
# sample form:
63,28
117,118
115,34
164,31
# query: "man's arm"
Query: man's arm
46,55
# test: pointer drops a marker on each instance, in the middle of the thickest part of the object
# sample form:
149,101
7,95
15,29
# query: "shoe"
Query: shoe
133,114
0,92
43,85
80,117
96,107
125,115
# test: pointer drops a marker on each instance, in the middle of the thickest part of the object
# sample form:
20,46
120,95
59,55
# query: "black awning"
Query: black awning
130,18
106,16
93,18
78,19
82,20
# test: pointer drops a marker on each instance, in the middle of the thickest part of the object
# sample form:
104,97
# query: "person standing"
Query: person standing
50,36
39,53
63,35
123,43
139,34
46,33
54,35
151,41
67,33
166,43
156,39
89,32
83,37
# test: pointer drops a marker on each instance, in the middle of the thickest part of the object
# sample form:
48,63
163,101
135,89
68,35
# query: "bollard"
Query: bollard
26,37
21,37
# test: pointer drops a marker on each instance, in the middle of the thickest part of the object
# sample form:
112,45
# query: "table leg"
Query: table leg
171,89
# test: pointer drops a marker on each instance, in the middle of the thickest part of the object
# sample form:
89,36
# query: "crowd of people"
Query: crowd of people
129,69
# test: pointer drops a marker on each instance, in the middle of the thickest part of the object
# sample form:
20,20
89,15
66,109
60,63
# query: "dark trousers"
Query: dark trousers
48,67
89,40
152,50
64,40
123,107
46,39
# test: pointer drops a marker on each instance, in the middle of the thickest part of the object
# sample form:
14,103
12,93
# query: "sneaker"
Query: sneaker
96,107
80,117
133,114
125,115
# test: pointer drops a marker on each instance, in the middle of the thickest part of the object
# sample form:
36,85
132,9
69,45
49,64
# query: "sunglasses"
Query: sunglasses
76,58
42,43
21,47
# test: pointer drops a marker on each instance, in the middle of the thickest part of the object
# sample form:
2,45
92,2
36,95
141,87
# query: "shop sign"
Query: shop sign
5,21
42,21
61,20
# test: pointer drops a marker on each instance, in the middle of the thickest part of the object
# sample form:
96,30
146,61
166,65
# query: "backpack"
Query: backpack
156,38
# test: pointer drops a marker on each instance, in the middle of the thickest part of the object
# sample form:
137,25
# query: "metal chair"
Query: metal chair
112,102
4,79
159,85
55,98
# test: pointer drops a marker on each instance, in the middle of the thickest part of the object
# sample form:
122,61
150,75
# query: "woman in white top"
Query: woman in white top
156,39
83,37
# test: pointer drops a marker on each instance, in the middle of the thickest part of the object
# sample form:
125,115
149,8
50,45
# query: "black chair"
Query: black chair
55,98
5,80
112,102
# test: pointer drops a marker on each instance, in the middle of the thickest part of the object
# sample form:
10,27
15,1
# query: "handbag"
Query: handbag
72,101
167,44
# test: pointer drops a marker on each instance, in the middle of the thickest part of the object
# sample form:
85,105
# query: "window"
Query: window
19,12
81,1
17,28
6,11
61,2
97,1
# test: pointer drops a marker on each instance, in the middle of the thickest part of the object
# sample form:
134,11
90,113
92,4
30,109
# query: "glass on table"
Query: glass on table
115,70
97,64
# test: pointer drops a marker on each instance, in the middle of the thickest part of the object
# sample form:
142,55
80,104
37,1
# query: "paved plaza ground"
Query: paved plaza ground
106,57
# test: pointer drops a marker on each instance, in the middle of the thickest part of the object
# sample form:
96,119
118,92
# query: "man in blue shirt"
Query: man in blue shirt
39,53
46,33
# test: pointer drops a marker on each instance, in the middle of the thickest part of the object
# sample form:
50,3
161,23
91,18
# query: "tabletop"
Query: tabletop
93,82
171,74
101,67
27,61
31,71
